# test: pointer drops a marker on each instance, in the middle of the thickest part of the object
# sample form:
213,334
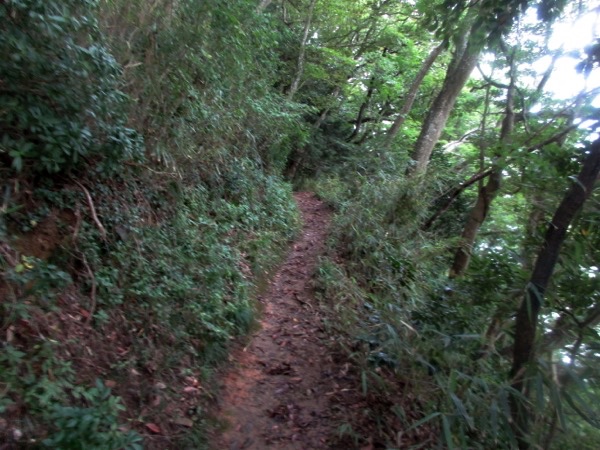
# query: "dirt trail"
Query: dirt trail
278,395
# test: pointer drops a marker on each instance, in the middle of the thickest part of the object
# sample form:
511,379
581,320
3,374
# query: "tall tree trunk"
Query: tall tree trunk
488,192
476,218
463,62
301,55
527,315
412,94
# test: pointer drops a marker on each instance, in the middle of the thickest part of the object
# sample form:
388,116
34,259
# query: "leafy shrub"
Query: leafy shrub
78,417
59,103
200,101
95,427
392,297
200,279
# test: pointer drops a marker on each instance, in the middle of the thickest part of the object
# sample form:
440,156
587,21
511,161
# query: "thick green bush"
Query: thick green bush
60,101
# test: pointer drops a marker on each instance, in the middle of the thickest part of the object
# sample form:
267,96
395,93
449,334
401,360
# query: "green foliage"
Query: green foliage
175,243
194,273
198,99
78,417
392,299
34,377
387,279
37,277
93,427
30,278
59,102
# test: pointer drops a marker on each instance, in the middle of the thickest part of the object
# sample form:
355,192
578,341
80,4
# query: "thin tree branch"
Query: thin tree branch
452,195
93,211
488,80
300,67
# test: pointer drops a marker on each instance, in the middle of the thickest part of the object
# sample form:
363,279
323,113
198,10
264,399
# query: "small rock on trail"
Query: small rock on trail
277,395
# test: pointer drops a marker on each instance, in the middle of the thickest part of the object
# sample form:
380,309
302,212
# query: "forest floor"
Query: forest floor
287,388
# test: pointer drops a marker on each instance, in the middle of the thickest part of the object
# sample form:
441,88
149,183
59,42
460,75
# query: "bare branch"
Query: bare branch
93,210
453,195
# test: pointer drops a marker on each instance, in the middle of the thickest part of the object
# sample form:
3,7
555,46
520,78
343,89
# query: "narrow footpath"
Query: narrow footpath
280,392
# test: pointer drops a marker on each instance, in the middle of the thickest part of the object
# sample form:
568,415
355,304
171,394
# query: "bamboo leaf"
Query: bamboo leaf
557,403
447,432
462,411
494,419
424,420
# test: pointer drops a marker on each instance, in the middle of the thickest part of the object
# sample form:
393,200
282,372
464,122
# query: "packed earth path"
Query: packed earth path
281,389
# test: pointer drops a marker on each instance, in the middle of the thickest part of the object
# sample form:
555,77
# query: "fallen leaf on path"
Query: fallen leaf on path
153,428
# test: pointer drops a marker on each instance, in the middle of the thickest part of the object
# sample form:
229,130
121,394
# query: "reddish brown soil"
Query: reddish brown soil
279,393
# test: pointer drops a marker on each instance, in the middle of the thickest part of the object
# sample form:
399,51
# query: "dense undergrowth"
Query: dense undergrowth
435,351
141,205
388,280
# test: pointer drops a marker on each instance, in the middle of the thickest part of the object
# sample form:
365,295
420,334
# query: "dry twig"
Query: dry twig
93,210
